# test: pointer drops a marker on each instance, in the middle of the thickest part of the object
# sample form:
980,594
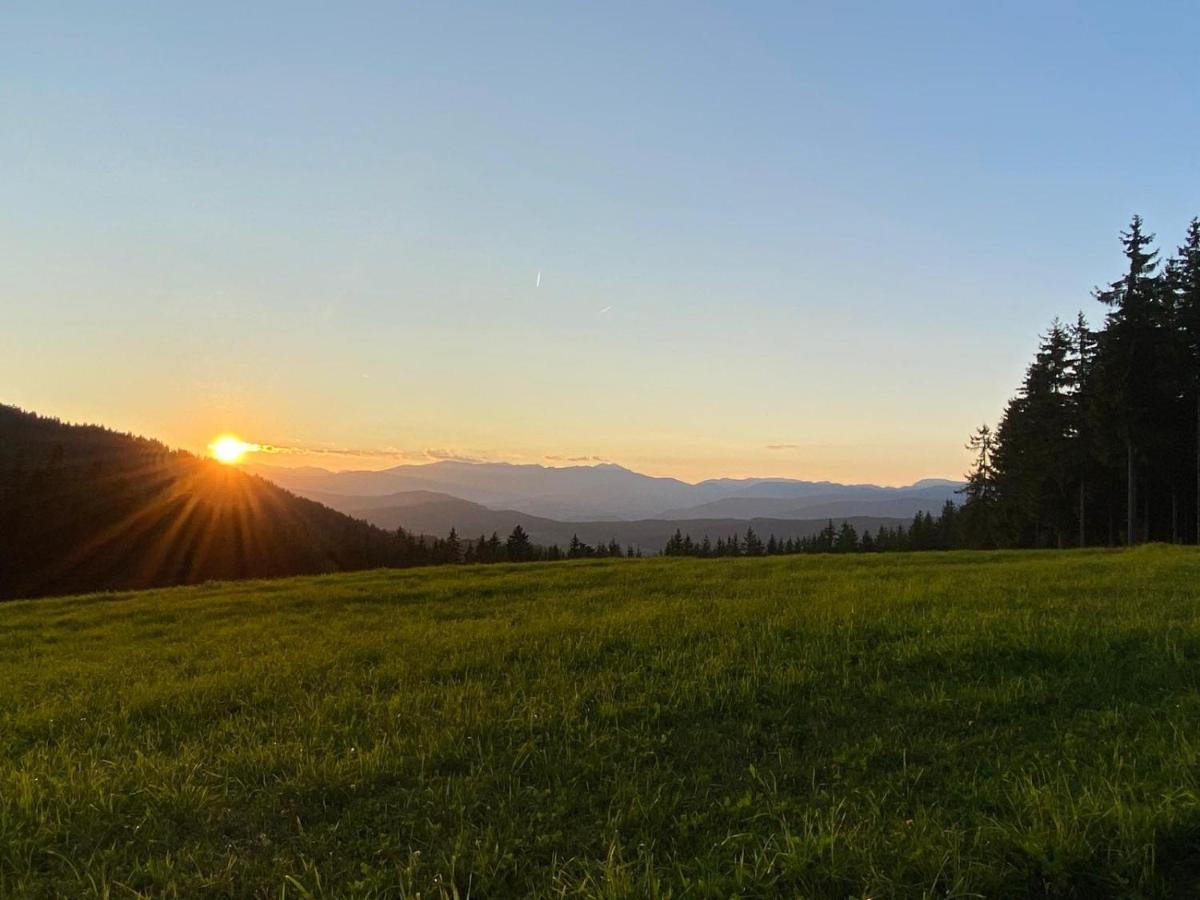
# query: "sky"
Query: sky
788,239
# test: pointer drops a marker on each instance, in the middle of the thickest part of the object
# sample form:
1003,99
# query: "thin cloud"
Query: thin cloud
417,455
428,454
783,446
339,451
443,455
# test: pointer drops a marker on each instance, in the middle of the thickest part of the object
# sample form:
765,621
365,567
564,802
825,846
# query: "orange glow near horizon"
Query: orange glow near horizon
230,449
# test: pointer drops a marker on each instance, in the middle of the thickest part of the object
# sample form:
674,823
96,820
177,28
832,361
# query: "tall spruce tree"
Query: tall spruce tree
1183,284
980,493
1034,444
1127,363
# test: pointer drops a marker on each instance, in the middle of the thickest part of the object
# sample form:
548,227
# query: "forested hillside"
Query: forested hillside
85,508
1100,444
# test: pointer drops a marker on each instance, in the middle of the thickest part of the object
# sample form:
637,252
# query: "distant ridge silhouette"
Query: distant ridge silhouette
608,491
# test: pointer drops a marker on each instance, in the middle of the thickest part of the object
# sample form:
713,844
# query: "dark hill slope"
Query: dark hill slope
83,508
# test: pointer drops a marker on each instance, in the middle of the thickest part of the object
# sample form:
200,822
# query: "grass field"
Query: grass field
1004,725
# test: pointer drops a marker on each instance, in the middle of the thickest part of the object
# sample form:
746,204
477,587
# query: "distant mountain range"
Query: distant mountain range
430,512
584,494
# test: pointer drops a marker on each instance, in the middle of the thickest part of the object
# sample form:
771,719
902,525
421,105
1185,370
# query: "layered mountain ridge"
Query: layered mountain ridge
611,492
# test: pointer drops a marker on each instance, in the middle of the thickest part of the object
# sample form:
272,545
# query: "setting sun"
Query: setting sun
229,449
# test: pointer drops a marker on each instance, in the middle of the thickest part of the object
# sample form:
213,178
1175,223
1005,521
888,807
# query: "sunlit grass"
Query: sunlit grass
903,725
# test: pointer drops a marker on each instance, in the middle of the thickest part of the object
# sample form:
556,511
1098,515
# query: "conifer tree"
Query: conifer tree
1183,280
753,544
452,548
517,547
846,540
1128,364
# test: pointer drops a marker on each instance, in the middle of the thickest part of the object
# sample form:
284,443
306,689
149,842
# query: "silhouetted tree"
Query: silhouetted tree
518,547
1106,424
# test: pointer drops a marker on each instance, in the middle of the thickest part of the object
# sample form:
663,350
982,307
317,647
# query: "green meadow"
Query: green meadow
910,725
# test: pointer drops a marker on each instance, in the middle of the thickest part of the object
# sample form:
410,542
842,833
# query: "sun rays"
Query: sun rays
230,449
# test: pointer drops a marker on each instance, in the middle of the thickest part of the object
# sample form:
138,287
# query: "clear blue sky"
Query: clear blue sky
830,230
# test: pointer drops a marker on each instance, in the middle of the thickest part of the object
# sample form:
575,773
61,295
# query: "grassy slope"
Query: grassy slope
908,725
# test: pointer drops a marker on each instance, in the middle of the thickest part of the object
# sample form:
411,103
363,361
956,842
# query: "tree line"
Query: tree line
925,532
517,547
1101,443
